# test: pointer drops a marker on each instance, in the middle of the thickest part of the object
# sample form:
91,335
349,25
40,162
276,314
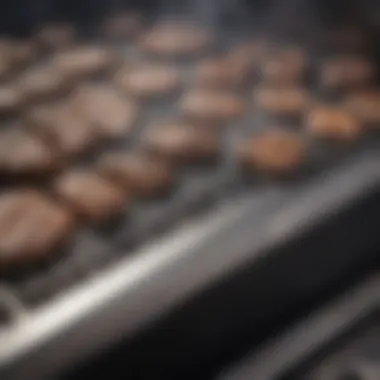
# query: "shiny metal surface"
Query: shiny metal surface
145,284
139,289
295,345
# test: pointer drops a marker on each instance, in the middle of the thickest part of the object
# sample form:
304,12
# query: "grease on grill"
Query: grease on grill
144,175
31,227
124,25
365,106
42,83
273,152
105,107
286,66
286,101
347,72
24,154
176,40
179,140
68,132
212,105
56,36
91,196
84,62
333,123
148,80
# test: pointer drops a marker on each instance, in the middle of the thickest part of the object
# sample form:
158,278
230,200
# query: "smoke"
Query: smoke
293,18
279,16
285,18
212,13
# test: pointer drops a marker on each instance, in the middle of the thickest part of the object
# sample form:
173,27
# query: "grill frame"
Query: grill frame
329,328
38,338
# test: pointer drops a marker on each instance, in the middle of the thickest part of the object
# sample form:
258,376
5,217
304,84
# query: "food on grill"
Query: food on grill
287,66
23,52
286,101
5,68
11,99
222,72
124,25
176,40
60,127
143,174
84,62
212,105
148,80
31,227
333,123
42,83
6,61
56,36
112,114
179,140
365,106
91,196
250,54
344,73
24,154
273,152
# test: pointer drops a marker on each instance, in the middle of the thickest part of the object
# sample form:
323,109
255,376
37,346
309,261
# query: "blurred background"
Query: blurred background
261,260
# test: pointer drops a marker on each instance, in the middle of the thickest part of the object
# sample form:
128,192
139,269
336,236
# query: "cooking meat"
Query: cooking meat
273,152
148,80
222,72
333,123
286,66
24,154
212,105
84,62
107,109
365,106
249,54
6,61
58,124
146,176
91,196
11,99
23,52
31,227
344,73
42,83
179,140
287,101
56,36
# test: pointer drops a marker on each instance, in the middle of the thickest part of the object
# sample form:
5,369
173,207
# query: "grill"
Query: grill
338,341
217,220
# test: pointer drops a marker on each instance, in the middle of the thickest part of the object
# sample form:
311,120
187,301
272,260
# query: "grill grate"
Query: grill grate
198,187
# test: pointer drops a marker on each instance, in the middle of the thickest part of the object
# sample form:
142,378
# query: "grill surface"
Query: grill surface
198,187
112,261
